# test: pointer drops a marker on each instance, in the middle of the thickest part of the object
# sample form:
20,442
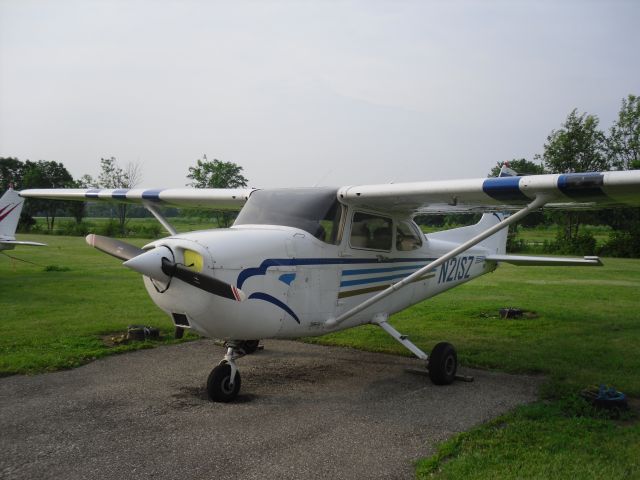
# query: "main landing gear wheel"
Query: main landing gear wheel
219,385
443,364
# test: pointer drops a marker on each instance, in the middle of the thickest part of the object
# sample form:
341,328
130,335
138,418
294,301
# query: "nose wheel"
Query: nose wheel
223,383
220,386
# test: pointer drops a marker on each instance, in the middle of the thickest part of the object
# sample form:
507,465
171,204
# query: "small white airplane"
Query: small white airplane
10,208
308,261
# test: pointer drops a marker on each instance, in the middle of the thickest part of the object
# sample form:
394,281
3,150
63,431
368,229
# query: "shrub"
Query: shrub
582,244
622,244
109,229
74,229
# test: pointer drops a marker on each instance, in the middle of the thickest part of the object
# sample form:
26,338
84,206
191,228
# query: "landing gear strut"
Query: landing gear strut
442,364
223,383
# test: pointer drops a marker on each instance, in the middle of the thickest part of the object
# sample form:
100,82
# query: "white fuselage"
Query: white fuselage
295,282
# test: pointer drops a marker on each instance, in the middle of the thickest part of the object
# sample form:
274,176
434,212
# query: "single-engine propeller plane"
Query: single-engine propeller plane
308,261
10,208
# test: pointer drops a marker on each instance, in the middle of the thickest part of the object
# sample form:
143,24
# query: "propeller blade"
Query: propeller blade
203,282
116,248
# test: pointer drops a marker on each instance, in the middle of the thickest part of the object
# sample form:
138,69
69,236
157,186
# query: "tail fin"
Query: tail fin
496,243
506,171
10,207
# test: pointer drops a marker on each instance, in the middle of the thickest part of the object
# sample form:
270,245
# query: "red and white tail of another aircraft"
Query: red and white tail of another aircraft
10,207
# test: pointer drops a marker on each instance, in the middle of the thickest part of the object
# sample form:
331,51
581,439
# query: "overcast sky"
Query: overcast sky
305,93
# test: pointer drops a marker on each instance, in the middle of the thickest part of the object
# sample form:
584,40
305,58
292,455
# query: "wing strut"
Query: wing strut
165,223
534,205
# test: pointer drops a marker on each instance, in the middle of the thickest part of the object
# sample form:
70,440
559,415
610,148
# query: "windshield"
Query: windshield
314,210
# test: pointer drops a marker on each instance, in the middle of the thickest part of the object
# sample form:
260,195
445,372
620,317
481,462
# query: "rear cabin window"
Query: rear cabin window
407,238
371,231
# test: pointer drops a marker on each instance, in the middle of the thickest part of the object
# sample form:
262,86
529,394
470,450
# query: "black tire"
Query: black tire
443,364
250,346
218,387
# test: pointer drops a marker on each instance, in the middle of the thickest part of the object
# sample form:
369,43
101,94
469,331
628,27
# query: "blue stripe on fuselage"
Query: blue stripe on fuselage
380,270
364,281
294,262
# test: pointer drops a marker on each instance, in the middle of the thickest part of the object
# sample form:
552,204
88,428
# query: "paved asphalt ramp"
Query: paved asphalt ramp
305,411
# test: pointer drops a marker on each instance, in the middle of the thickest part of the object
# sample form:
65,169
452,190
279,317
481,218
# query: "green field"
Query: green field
57,308
583,329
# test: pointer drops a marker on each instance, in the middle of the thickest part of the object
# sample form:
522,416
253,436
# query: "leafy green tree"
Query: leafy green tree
11,172
46,174
578,146
623,143
217,174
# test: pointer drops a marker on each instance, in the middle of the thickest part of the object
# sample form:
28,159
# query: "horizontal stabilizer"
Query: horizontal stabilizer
18,242
533,261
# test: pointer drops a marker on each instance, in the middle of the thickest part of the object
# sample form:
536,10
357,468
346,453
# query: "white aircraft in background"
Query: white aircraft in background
10,207
308,261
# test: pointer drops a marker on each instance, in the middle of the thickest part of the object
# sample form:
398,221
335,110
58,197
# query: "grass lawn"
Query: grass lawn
584,330
56,309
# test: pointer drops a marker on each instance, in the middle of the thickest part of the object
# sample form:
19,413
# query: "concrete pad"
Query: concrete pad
305,411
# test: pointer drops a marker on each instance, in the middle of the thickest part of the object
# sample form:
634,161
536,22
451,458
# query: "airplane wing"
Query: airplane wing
565,191
213,198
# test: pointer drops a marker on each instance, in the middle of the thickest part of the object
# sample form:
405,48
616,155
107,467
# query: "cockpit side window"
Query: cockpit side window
371,231
407,238
329,227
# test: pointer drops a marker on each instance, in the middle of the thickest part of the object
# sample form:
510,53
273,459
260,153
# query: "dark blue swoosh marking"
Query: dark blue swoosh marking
292,262
268,298
504,189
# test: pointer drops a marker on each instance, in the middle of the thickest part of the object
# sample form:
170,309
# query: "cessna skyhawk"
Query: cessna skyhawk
308,261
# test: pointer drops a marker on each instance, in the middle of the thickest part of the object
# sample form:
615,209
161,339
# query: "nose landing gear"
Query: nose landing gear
224,381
